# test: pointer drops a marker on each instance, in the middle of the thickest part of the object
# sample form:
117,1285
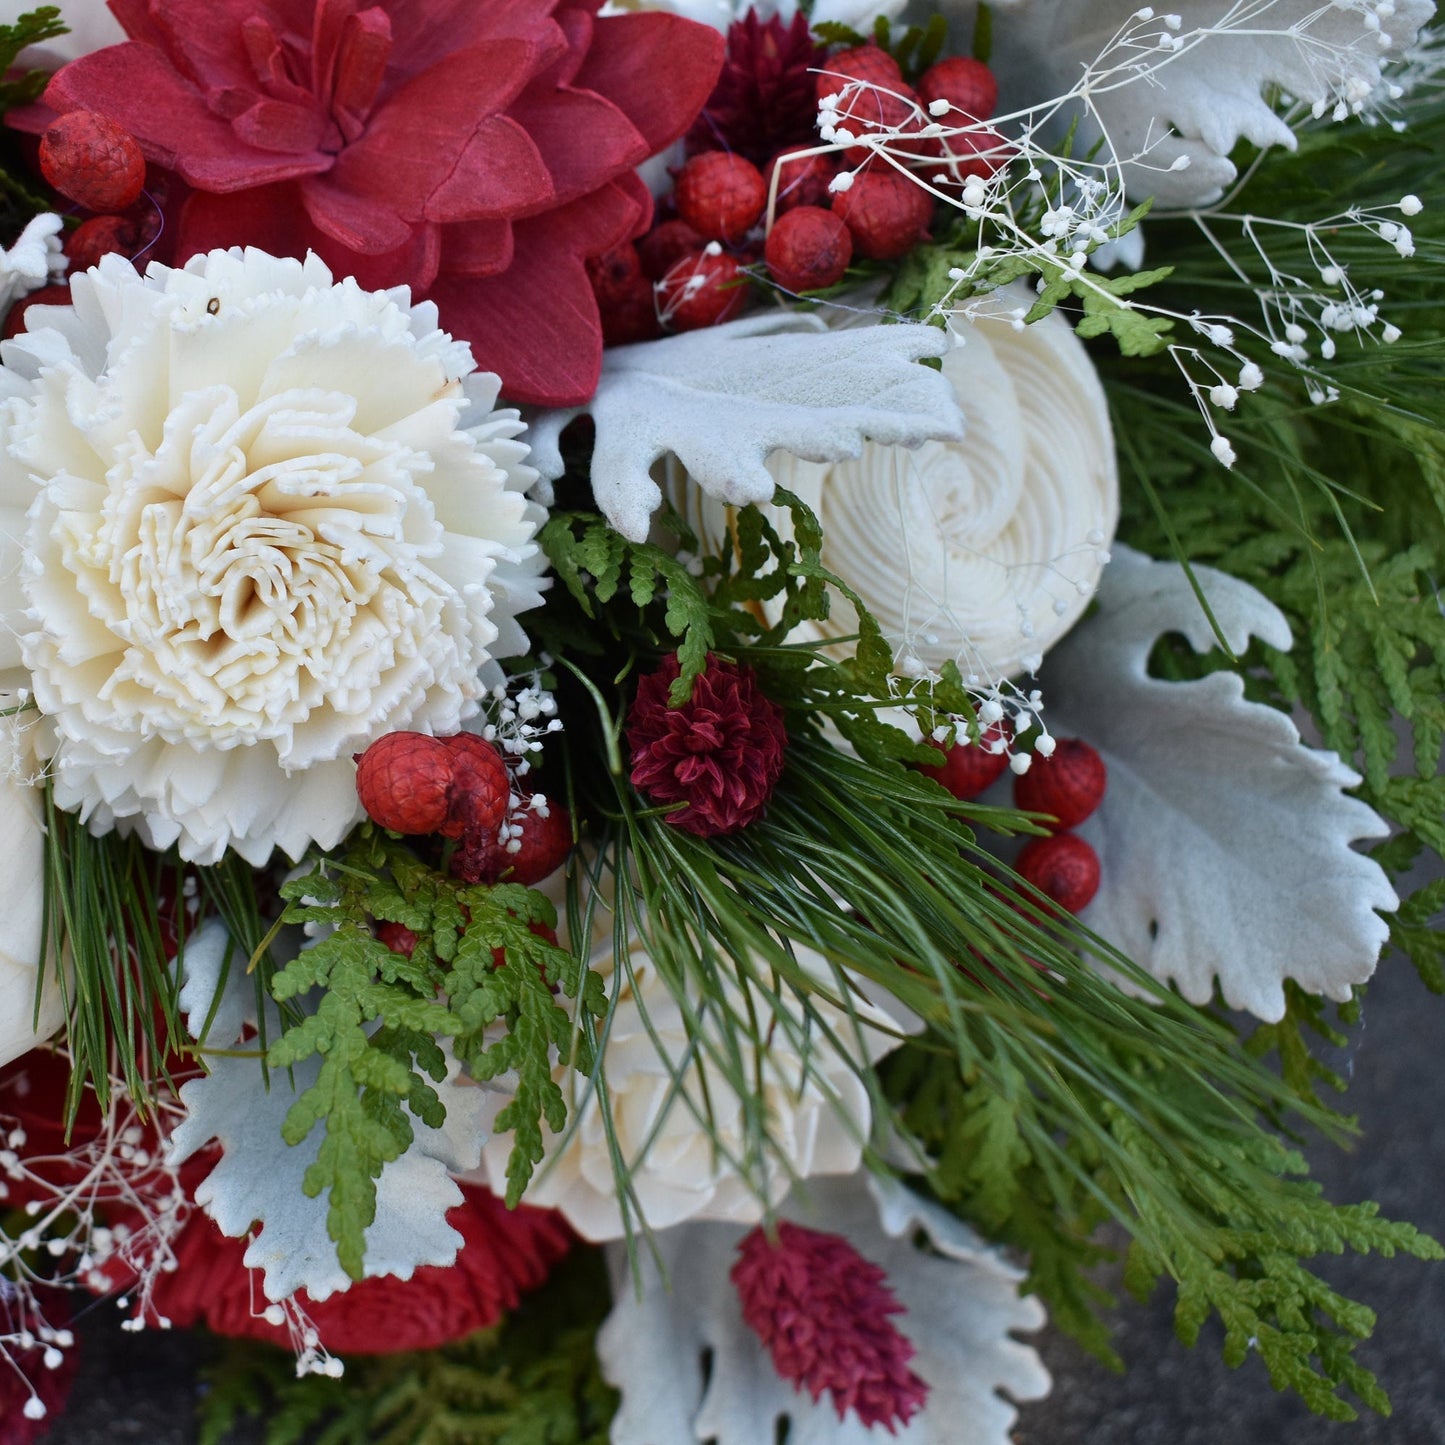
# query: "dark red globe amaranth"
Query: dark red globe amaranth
764,99
822,1312
721,753
478,151
92,161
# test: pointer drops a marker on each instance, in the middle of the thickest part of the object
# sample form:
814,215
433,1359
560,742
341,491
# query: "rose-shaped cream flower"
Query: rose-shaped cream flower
983,551
266,519
663,1078
22,845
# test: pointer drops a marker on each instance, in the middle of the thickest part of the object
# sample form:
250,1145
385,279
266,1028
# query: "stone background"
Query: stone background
143,1388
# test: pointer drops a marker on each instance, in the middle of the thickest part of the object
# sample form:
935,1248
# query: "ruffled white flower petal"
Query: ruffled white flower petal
259,1178
33,261
1187,94
665,1068
983,551
961,1299
1225,842
22,845
268,519
723,400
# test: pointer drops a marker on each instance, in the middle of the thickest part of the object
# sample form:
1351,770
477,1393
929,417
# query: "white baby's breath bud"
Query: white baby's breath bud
1224,396
1223,451
1411,205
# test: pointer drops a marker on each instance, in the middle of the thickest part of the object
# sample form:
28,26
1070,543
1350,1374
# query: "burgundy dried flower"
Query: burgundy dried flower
765,99
721,752
822,1311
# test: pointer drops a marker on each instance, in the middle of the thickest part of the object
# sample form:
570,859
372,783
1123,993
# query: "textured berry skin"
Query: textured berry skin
666,244
92,161
481,787
885,101
403,780
1062,867
1067,786
624,296
970,768
968,86
808,249
800,182
46,296
546,842
720,196
701,290
867,63
887,214
398,938
101,236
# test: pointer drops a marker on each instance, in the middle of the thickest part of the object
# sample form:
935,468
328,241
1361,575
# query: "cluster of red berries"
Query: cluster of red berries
826,208
98,165
1066,787
460,788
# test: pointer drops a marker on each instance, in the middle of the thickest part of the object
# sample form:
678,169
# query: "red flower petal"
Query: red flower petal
133,85
537,325
629,52
554,121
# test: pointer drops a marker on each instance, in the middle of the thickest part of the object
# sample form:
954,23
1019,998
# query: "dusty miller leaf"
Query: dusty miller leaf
1225,842
961,1300
722,400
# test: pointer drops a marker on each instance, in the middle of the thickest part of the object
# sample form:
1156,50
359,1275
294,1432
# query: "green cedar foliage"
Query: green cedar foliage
481,975
1050,1100
532,1380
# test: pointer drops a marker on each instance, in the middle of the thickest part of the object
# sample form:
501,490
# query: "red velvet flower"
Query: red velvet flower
822,1311
721,752
478,151
506,1253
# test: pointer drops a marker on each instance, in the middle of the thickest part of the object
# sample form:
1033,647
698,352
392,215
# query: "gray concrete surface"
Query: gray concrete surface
142,1388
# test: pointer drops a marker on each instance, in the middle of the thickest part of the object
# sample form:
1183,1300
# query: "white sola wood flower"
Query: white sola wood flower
265,519
985,550
695,1144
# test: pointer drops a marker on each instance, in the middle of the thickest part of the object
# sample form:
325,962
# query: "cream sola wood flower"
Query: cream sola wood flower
695,1142
252,520
983,551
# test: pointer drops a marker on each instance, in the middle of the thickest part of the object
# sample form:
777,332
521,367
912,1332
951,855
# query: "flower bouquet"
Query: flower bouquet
654,661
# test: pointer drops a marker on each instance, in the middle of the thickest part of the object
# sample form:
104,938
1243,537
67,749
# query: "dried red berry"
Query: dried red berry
1067,786
968,85
701,289
46,296
720,195
800,182
666,244
481,787
624,296
398,938
808,249
887,213
1062,867
101,236
403,780
543,843
970,153
880,100
969,768
92,161
721,753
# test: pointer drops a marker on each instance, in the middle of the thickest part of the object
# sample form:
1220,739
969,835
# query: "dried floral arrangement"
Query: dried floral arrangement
653,664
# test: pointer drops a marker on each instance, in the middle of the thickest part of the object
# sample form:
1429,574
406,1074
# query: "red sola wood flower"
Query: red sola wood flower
822,1311
720,753
478,151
